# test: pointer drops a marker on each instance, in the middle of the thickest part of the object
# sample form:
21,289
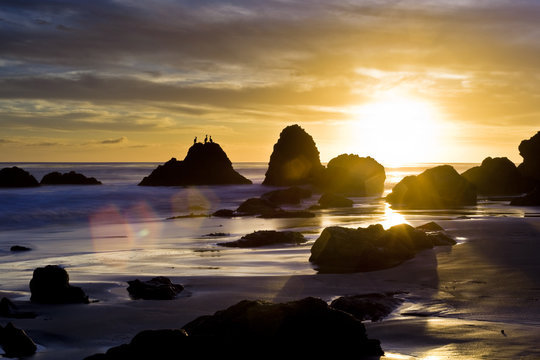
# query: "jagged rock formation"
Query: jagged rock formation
496,176
435,188
530,151
158,288
294,160
353,175
16,177
204,164
15,342
70,178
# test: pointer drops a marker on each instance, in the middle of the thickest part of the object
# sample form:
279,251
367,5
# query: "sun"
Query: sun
396,129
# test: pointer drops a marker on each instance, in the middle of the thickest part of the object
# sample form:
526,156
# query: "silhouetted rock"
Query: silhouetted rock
204,164
287,214
19,248
530,151
303,328
374,307
256,206
15,342
339,249
226,213
265,238
496,176
50,285
329,200
530,199
292,195
70,178
435,188
16,177
10,310
353,175
294,160
158,288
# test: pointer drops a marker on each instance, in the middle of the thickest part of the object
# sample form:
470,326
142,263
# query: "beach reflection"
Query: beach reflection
392,217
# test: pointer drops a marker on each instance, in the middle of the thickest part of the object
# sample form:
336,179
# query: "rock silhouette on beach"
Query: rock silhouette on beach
158,288
353,175
69,178
265,238
340,250
204,164
291,195
530,199
294,160
329,200
496,176
435,188
50,285
15,342
374,307
530,151
19,248
16,177
10,310
262,207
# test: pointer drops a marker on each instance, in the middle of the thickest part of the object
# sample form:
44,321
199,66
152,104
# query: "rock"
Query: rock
50,285
226,213
256,206
294,160
303,328
158,288
530,199
10,310
15,342
17,248
430,226
329,200
530,151
435,188
353,175
496,176
204,164
70,178
16,177
267,237
291,195
372,307
339,249
287,214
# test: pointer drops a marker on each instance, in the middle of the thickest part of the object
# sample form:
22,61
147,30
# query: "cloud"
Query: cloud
119,140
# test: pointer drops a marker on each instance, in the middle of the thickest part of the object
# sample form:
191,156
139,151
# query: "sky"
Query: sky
400,81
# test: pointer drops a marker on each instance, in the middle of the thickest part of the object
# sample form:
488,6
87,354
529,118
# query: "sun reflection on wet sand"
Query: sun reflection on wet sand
392,217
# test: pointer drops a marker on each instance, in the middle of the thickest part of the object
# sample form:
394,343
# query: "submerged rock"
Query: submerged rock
16,177
50,285
70,178
303,328
339,249
158,288
435,188
15,342
291,195
19,248
256,206
204,164
351,174
530,151
374,307
329,200
496,176
294,160
265,238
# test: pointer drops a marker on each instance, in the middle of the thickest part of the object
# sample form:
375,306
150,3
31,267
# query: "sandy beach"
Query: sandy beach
456,300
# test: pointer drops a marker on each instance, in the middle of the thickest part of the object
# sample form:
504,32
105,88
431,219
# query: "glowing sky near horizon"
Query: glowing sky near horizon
401,81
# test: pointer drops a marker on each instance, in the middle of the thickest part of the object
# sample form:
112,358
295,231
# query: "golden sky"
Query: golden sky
401,81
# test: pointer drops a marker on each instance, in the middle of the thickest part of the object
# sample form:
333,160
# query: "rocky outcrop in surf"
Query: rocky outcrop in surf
69,178
496,176
16,177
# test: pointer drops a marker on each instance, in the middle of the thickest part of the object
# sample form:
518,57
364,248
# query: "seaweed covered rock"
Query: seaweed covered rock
15,342
339,249
294,160
16,177
303,328
495,176
353,175
158,288
530,151
204,164
50,285
291,195
435,188
69,178
265,238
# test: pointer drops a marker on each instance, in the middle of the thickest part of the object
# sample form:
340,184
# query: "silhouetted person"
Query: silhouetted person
206,139
195,140
211,139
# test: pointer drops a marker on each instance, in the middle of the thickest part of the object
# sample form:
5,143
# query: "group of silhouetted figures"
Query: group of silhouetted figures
206,139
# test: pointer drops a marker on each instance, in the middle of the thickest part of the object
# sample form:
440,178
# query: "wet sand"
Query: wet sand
456,300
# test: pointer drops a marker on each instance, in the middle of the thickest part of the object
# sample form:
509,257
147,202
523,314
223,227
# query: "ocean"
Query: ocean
121,228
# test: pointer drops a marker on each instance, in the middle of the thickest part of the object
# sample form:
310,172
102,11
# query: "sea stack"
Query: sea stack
496,176
530,151
16,177
294,160
204,164
69,178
